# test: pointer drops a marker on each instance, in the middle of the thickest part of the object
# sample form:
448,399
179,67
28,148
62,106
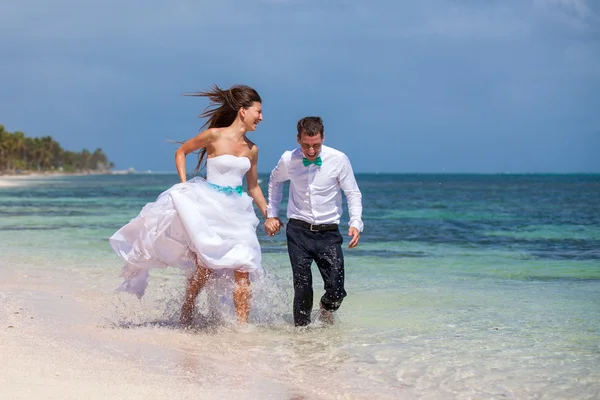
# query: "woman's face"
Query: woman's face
252,116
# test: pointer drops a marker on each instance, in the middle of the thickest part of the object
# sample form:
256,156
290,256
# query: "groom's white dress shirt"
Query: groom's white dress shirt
315,196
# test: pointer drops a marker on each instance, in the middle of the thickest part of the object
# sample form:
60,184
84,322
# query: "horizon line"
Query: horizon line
159,172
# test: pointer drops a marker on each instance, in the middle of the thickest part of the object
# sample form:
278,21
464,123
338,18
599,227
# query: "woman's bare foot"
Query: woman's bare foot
241,296
195,284
187,313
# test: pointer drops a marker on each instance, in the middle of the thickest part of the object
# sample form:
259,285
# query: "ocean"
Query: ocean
462,287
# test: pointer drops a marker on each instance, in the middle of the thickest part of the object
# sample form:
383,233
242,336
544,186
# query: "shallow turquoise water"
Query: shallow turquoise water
463,286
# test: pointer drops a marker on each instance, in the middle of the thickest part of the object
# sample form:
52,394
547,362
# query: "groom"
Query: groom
317,175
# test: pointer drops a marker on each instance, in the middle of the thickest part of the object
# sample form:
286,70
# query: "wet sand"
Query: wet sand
58,343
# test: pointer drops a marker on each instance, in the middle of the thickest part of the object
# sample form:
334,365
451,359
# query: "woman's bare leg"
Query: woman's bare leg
195,284
241,296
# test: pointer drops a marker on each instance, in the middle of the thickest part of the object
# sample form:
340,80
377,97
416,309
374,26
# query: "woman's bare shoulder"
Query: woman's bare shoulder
213,133
252,149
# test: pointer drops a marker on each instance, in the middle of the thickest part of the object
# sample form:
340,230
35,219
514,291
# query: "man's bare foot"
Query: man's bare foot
326,316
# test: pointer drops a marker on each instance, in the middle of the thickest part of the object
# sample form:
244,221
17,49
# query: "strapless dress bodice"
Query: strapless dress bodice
227,170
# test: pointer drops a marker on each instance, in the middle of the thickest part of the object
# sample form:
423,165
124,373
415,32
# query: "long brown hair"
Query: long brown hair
223,108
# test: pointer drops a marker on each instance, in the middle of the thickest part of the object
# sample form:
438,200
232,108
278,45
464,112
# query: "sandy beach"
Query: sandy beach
28,177
61,336
66,334
8,181
60,341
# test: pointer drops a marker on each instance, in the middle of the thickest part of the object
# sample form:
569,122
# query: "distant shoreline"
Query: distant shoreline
41,174
15,180
4,175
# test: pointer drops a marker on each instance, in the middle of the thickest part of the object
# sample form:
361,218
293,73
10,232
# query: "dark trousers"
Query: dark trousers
325,248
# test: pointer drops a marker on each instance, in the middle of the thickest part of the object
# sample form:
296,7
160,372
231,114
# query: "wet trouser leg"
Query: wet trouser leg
325,248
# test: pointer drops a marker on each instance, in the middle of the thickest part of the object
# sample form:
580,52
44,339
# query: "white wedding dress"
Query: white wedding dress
210,219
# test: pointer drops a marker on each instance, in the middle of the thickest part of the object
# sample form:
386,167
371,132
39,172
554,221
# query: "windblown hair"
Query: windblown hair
310,126
225,104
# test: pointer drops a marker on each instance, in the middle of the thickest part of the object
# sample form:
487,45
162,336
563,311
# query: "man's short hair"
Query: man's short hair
311,126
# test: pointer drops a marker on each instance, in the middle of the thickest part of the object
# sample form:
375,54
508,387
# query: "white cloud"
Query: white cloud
583,58
577,15
576,7
453,19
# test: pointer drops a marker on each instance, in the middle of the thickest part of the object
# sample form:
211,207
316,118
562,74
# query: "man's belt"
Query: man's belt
313,227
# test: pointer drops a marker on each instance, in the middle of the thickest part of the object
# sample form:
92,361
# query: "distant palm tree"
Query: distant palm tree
3,147
18,150
22,152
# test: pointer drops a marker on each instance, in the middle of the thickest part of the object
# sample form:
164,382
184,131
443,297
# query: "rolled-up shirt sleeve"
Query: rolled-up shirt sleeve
278,176
352,192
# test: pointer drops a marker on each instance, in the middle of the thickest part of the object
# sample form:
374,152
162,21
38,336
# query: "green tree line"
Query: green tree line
20,152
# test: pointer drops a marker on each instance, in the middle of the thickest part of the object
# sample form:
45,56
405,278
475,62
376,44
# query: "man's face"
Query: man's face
310,145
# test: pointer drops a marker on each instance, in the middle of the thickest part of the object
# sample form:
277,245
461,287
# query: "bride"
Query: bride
204,225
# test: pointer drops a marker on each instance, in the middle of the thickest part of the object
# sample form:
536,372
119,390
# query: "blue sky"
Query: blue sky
403,86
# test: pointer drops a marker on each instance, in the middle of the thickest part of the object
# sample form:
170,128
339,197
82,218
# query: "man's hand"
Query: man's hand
272,226
355,234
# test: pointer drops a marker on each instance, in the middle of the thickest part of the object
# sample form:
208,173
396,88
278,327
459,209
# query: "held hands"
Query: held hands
355,234
272,226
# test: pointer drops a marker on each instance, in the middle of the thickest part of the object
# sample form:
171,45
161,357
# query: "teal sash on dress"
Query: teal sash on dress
227,189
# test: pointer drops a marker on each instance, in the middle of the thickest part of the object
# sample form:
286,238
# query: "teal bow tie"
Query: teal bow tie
318,162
